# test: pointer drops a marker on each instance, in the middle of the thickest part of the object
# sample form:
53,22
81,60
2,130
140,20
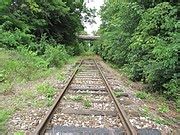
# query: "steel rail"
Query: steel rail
126,123
41,127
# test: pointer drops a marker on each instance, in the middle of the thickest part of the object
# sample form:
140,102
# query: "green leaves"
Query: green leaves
119,22
143,41
56,56
154,42
56,19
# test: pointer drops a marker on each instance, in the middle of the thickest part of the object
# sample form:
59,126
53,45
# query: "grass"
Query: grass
162,121
178,105
163,108
77,98
2,76
24,99
73,59
143,95
61,77
145,111
87,103
118,93
4,116
88,53
48,91
19,133
155,99
16,67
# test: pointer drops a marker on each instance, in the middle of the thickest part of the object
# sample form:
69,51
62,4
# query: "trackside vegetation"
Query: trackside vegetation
142,38
36,39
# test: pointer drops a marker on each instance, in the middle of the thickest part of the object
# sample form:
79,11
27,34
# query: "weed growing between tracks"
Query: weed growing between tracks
77,98
118,93
87,103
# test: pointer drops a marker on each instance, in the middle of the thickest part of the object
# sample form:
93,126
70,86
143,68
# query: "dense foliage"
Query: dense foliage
41,35
144,41
26,22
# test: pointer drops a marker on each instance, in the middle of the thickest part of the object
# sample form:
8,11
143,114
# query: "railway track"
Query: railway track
87,104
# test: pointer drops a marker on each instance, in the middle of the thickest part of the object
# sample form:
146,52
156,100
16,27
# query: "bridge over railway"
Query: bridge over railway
88,37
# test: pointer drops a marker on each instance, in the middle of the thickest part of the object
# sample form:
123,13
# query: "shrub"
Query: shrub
56,56
77,49
30,57
118,23
154,49
14,39
143,42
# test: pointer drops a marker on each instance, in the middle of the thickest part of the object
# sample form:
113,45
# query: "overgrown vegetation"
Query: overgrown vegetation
21,66
146,112
47,90
142,38
19,133
163,108
42,27
40,35
36,38
118,94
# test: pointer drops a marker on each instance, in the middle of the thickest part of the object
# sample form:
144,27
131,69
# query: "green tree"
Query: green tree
143,39
56,19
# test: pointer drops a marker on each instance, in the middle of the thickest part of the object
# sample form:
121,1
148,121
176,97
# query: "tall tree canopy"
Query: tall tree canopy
141,36
60,20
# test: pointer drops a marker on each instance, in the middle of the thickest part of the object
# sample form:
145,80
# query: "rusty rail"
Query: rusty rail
126,123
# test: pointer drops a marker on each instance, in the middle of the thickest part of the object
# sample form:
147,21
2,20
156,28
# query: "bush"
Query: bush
144,42
9,39
32,58
119,22
77,49
55,56
154,48
143,95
